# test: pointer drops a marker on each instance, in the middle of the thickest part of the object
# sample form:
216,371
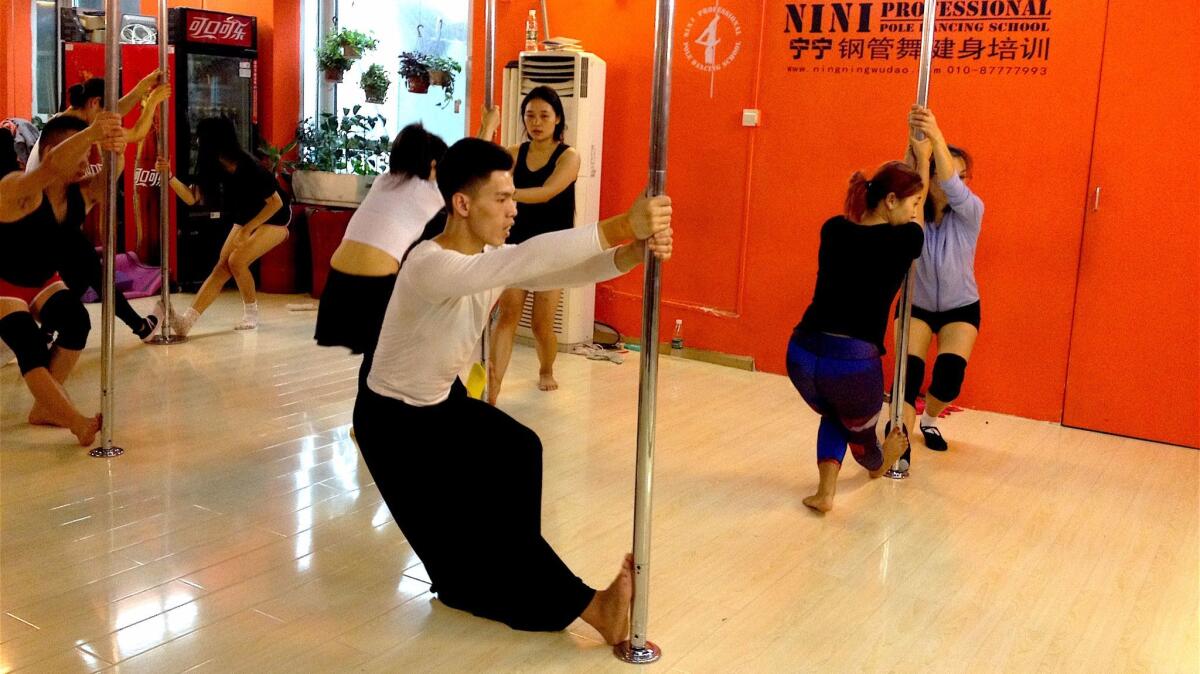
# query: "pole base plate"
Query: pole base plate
626,652
102,453
164,340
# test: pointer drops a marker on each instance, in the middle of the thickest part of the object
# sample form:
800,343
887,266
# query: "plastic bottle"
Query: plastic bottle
677,340
531,31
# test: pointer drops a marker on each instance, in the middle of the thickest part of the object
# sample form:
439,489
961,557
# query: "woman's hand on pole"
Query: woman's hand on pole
921,118
922,149
489,121
649,216
108,132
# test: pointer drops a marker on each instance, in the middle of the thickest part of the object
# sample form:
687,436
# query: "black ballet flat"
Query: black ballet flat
934,439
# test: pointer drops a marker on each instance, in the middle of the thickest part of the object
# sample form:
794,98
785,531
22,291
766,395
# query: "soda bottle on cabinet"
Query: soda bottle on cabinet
531,31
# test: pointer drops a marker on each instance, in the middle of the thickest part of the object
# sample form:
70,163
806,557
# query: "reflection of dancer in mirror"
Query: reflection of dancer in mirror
544,175
474,517
251,196
834,355
35,209
945,295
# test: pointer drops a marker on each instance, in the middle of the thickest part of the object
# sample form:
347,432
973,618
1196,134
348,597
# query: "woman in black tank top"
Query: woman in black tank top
544,175
30,261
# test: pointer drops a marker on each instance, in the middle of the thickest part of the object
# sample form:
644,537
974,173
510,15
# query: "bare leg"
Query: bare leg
220,275
512,303
894,446
545,304
62,361
50,398
822,501
259,243
608,611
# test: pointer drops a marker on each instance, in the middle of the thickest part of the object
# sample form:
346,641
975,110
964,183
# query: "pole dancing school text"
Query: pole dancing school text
953,15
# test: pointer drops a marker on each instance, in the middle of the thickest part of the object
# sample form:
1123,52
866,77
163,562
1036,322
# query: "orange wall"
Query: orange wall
750,202
16,74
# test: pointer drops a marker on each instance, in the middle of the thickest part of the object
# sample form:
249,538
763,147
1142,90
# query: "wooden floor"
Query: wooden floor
241,533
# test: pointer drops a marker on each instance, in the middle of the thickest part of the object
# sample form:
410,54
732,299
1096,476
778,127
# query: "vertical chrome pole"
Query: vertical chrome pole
546,20
489,100
112,93
899,471
638,649
164,335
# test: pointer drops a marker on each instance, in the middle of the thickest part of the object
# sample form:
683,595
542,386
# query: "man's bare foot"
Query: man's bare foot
546,382
894,447
608,611
820,502
40,417
85,429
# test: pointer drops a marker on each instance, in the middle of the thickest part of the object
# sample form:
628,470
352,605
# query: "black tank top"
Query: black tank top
29,246
552,216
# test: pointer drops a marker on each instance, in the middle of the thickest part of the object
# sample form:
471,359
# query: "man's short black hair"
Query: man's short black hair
468,163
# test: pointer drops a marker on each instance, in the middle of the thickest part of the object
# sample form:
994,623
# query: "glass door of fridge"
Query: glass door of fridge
220,86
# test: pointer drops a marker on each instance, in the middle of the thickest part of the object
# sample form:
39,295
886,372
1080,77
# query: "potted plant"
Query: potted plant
414,68
339,158
375,83
354,43
442,71
332,61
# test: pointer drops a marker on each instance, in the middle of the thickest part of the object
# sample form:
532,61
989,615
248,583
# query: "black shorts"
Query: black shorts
936,320
351,310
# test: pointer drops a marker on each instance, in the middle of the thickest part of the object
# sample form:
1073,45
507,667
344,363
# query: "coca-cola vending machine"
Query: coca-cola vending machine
216,56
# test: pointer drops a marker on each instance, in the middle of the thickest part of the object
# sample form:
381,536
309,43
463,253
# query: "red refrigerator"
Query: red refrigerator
139,228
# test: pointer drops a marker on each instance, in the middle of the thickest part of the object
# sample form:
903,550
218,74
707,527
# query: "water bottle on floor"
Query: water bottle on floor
677,340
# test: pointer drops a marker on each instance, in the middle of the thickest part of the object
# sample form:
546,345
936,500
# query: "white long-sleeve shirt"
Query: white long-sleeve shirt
443,298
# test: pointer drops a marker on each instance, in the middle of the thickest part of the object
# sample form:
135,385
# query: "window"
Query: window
434,27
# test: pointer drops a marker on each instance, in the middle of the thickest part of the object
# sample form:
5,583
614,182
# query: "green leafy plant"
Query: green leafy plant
355,40
344,144
274,157
332,61
436,70
375,83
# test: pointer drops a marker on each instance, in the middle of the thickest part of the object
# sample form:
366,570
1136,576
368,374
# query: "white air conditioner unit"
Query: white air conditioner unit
578,77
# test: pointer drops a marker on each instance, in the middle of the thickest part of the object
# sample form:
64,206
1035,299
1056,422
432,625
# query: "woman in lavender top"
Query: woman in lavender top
945,297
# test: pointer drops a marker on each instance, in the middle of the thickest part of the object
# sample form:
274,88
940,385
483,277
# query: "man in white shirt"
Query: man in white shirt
462,478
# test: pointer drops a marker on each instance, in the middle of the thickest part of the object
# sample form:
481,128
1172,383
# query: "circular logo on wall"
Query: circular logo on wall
712,38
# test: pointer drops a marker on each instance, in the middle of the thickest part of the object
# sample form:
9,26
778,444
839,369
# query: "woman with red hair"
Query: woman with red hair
834,355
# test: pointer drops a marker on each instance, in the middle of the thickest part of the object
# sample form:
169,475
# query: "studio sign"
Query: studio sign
712,40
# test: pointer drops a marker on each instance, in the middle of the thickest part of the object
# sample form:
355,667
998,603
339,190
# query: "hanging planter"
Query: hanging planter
414,68
375,83
418,84
339,50
354,43
331,61
424,70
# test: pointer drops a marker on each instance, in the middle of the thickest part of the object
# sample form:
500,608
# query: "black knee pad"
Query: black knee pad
914,377
948,372
64,314
22,334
